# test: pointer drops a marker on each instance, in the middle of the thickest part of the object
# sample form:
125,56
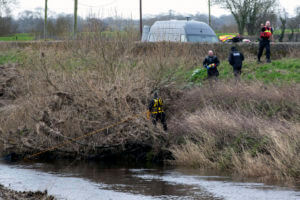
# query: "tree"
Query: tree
283,19
63,25
260,11
95,25
294,25
6,6
239,9
247,12
7,25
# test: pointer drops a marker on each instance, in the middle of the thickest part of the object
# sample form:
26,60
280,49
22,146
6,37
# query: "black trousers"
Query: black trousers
212,74
237,71
264,44
162,118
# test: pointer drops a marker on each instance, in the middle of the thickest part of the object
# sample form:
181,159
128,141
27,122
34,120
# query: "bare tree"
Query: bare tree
246,12
239,9
7,25
283,20
293,25
258,12
6,6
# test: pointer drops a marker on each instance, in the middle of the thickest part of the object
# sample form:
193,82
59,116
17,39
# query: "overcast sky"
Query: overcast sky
130,8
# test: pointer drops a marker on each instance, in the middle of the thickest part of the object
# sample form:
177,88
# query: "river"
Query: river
91,180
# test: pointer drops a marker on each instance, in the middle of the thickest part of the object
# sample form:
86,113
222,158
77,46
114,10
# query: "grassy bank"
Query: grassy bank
61,92
284,71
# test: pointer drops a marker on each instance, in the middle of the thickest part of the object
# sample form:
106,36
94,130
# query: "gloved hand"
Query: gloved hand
211,66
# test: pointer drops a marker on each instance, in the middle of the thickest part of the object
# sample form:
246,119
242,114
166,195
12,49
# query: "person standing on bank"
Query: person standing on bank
211,63
236,59
266,35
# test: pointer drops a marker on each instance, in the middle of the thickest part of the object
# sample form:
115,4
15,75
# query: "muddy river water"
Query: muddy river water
90,180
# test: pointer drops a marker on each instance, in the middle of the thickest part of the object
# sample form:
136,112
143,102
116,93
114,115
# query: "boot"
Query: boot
165,127
268,60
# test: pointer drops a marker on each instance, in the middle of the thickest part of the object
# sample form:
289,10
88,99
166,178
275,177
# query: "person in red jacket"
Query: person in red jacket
266,35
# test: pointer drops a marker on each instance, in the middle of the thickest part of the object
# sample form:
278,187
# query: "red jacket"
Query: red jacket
266,32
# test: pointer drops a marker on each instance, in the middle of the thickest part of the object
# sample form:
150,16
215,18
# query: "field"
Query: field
53,94
18,37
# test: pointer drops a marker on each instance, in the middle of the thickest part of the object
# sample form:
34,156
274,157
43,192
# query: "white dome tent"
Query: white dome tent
179,31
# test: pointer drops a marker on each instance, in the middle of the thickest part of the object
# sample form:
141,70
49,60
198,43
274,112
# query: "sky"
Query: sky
130,8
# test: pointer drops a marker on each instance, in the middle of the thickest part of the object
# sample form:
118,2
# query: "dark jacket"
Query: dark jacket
211,60
236,59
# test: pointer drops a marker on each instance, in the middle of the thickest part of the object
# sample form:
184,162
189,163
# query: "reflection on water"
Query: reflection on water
90,180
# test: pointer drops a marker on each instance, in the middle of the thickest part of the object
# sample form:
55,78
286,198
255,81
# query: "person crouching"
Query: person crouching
211,63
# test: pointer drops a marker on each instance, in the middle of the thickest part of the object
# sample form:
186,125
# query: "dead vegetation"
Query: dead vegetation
249,129
9,194
65,91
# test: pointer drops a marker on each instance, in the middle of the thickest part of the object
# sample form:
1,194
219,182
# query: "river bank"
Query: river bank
7,194
52,99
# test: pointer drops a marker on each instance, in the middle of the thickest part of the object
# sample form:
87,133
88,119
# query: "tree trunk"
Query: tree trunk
283,22
241,28
251,29
291,36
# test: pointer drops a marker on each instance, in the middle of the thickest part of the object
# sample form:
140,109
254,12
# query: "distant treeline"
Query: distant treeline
61,25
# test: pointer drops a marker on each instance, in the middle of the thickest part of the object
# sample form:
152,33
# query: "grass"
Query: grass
287,31
278,72
18,37
11,56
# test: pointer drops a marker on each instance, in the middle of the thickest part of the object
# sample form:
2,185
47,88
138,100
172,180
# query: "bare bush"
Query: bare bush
242,128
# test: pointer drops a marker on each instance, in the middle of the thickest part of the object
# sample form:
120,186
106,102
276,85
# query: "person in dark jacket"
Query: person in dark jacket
266,35
211,63
236,59
157,111
237,39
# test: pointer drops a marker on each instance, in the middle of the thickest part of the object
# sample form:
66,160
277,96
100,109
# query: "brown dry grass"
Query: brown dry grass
67,92
249,129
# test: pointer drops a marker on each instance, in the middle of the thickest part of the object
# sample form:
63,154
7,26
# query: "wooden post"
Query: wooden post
141,18
75,16
46,18
209,14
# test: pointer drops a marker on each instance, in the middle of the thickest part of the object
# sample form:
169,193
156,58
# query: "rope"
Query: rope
83,136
